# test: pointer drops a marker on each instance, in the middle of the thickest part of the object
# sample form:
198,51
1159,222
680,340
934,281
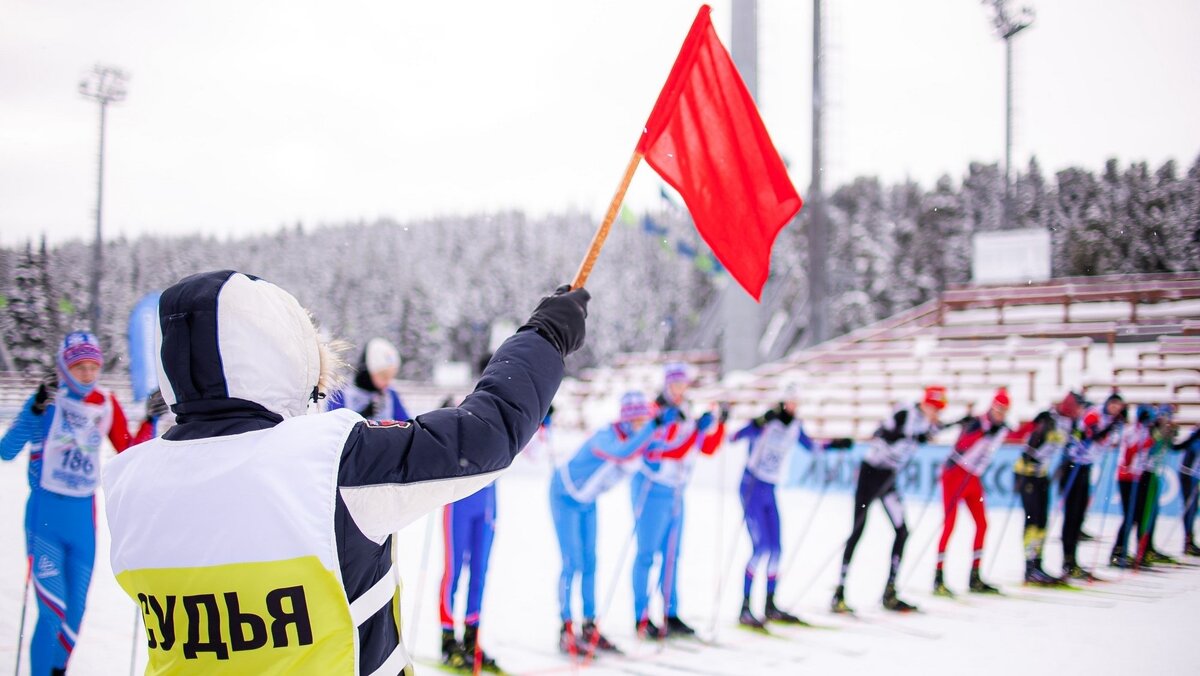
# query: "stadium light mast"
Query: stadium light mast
818,223
1007,26
104,85
741,317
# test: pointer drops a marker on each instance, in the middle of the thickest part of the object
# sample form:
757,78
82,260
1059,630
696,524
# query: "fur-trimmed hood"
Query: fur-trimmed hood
227,340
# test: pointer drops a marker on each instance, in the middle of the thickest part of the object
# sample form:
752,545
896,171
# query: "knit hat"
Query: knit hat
1001,398
381,354
675,372
78,347
634,405
935,396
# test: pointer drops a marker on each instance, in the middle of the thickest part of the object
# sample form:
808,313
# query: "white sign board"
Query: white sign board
1010,256
452,374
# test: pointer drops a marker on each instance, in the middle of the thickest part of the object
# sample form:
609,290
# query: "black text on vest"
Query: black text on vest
220,626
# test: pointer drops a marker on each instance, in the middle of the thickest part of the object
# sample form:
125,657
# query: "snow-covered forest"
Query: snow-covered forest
435,287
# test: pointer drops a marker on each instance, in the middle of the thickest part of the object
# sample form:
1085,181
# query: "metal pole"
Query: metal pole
818,227
1008,89
104,85
1007,26
98,246
741,317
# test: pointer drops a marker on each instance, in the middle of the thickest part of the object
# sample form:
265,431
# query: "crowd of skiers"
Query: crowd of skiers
654,442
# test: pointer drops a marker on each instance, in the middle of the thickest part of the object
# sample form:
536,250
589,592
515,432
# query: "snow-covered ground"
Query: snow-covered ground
1121,627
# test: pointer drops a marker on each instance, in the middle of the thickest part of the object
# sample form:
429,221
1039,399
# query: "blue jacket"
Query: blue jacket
604,459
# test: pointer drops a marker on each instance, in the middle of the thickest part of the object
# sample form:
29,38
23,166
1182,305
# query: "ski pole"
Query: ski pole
858,521
612,587
720,593
921,519
1129,516
1062,499
1104,505
718,570
137,616
1012,507
24,607
416,624
812,515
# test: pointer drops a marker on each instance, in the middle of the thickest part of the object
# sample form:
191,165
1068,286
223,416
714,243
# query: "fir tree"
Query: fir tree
32,346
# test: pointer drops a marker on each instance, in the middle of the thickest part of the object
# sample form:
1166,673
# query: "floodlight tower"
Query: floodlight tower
104,85
1007,26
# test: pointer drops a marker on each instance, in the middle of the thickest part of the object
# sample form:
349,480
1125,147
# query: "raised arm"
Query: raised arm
391,474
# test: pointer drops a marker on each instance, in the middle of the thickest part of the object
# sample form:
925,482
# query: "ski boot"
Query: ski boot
939,586
1119,560
838,604
1073,571
893,602
772,613
453,655
647,630
594,641
747,618
1190,549
978,586
567,641
1034,575
473,653
674,625
1155,557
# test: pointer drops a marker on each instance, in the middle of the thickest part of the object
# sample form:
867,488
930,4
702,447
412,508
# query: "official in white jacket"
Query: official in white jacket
257,539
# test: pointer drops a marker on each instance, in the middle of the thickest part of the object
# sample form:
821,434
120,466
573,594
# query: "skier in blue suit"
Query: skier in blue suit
64,424
773,437
657,495
610,455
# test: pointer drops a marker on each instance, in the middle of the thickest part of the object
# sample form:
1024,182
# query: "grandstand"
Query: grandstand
1137,333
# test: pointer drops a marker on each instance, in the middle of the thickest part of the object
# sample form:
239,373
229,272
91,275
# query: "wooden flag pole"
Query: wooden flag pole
585,267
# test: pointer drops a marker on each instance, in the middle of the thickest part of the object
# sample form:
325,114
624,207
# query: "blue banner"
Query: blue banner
143,363
921,479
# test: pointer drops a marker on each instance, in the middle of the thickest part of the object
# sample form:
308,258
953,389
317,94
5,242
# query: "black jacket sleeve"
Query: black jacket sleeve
392,474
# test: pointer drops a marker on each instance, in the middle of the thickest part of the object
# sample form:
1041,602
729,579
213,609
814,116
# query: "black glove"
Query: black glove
45,394
922,438
560,318
723,415
156,406
840,444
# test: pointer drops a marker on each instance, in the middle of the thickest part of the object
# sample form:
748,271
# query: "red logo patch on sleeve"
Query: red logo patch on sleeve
389,423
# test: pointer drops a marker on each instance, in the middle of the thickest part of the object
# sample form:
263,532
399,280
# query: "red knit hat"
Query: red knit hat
935,396
1001,398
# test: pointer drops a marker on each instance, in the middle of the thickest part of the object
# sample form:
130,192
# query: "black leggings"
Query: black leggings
875,483
1133,507
1035,498
1075,482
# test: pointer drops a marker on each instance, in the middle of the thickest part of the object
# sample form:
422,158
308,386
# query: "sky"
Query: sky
243,117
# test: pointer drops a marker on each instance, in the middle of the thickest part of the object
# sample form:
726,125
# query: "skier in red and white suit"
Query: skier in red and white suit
969,459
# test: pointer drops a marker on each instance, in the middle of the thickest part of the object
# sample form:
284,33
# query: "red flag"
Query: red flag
705,138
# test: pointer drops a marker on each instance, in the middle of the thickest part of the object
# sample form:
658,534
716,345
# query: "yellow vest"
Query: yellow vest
227,545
